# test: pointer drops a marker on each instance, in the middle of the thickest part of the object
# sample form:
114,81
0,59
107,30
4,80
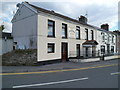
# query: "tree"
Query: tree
2,27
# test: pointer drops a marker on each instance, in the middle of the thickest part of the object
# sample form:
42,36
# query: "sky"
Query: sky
98,11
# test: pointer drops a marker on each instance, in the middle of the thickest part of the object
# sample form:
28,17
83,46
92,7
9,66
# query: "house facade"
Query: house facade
58,37
117,32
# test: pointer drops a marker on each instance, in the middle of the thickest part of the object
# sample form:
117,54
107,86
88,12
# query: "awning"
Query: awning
90,43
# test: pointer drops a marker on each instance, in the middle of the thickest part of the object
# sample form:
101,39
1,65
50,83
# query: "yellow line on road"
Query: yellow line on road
58,70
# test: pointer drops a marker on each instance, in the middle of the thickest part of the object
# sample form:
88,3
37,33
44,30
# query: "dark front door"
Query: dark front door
108,49
78,50
86,51
64,52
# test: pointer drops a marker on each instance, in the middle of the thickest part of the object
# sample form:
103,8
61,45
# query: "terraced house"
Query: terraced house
58,37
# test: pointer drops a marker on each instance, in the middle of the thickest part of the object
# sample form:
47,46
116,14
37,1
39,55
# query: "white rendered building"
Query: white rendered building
58,37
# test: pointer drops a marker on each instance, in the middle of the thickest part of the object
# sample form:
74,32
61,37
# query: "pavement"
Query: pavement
55,66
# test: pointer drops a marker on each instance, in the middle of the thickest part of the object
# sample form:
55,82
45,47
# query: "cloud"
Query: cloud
6,13
99,11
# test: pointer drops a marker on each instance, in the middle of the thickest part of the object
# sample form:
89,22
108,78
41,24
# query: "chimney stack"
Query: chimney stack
105,27
83,19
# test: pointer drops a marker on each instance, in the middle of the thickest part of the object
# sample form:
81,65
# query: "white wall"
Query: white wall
6,45
105,42
28,26
24,28
43,40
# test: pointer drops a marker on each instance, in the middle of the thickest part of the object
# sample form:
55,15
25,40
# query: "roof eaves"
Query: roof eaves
57,14
65,17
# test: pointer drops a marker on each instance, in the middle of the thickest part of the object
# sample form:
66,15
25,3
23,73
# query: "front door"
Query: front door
108,49
86,51
64,50
78,50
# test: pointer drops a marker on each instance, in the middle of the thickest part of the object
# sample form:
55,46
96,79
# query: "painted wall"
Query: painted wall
105,42
30,31
71,40
43,40
24,28
6,45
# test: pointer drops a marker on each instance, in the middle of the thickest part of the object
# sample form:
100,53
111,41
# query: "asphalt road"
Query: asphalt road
105,76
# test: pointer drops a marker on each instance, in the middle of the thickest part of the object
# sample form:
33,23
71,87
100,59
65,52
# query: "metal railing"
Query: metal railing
90,54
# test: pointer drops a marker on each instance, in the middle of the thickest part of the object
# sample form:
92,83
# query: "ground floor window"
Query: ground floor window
93,51
51,47
102,49
112,49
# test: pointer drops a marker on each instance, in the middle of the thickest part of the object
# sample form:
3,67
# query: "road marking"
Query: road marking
41,84
58,70
116,73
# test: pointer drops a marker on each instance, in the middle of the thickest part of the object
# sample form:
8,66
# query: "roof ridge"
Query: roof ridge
65,17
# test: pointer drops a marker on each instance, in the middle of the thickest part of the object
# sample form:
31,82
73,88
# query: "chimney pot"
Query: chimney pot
105,27
83,19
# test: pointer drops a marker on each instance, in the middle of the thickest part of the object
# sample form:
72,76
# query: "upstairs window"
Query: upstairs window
51,47
103,36
77,32
112,39
64,30
108,38
51,28
92,35
86,34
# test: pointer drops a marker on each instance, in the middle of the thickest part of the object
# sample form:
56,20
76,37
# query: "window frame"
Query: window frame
112,49
53,47
108,38
102,49
112,38
65,30
92,35
78,29
103,36
86,34
53,27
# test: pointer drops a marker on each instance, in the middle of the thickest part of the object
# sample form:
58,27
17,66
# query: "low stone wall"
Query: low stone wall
74,60
90,60
85,60
20,57
112,57
95,59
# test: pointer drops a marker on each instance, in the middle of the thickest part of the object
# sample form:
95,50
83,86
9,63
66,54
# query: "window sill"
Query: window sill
51,36
78,39
64,38
50,52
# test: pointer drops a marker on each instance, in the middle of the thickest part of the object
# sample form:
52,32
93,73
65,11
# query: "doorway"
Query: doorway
64,52
86,51
108,49
78,50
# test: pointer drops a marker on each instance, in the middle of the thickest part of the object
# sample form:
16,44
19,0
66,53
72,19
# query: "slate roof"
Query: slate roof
39,9
4,34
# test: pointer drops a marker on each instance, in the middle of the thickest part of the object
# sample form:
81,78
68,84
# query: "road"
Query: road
101,76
